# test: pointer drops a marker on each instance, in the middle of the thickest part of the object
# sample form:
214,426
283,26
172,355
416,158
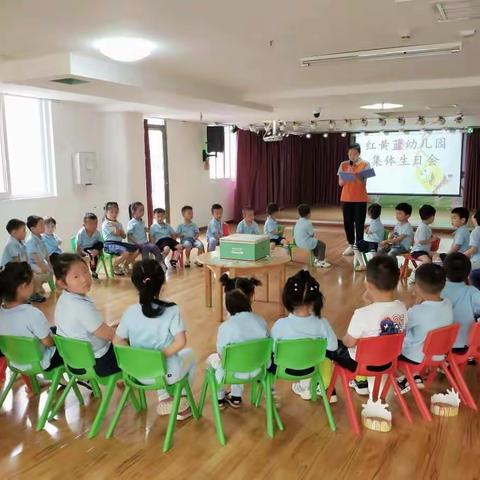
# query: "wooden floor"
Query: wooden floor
307,449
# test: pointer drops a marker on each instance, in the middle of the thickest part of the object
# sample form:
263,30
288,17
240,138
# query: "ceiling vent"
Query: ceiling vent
70,81
456,10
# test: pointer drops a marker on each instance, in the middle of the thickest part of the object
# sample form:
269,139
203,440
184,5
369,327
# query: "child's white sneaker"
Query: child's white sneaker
321,264
187,263
300,390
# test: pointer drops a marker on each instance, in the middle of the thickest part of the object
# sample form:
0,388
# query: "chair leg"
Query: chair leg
457,374
216,409
62,398
143,399
203,394
48,404
7,389
333,381
417,395
102,409
3,368
191,401
259,394
118,411
350,407
134,401
430,378
269,406
97,393
253,390
401,400
34,384
326,404
77,392
172,420
314,381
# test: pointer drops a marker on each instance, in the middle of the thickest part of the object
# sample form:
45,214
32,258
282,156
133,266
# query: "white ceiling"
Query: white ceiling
239,61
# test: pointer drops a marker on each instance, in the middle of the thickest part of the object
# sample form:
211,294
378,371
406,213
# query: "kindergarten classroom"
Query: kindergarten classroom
240,104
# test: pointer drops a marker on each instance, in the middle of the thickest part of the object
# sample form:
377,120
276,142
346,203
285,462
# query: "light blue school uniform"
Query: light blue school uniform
187,231
136,230
85,241
14,249
161,230
423,233
375,231
35,245
404,229
304,234
461,238
214,229
107,231
465,301
270,228
27,321
423,318
294,327
475,242
252,229
52,243
153,333
241,327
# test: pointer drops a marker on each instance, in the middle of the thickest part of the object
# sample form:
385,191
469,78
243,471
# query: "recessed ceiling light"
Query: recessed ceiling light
381,106
125,49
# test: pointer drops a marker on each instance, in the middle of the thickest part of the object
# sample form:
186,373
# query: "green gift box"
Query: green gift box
242,246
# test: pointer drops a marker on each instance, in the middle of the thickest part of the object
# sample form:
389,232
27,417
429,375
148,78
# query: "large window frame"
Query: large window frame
47,167
223,165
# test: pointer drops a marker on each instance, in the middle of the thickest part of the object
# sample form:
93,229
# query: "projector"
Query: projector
273,138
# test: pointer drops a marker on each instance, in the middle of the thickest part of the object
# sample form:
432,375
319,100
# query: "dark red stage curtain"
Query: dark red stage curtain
295,170
471,196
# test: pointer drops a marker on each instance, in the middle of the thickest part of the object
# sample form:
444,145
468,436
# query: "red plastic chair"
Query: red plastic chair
372,352
458,361
408,258
226,230
3,368
438,342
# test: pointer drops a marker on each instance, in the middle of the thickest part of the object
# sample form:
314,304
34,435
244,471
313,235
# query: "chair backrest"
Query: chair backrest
73,244
141,363
440,341
76,354
386,233
299,354
435,245
474,340
378,351
246,357
22,351
225,230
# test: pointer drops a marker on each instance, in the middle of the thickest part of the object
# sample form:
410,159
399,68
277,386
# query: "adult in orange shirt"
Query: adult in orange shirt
354,197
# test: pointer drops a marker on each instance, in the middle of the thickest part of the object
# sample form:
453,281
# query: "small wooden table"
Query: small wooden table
270,268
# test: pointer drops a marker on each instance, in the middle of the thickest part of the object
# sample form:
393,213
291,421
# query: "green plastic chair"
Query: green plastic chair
104,258
238,358
293,246
28,351
78,354
145,363
301,355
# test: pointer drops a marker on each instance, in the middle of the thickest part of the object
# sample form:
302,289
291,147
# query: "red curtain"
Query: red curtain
148,172
471,196
295,170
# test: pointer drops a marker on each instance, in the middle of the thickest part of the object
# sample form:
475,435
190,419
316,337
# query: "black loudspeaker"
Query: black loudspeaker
215,139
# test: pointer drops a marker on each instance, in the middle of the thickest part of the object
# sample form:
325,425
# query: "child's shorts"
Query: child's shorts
119,248
420,253
192,243
277,241
167,242
366,247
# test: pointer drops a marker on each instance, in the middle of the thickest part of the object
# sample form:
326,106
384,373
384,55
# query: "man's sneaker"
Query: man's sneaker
321,264
234,402
333,396
187,263
36,297
360,386
298,389
348,252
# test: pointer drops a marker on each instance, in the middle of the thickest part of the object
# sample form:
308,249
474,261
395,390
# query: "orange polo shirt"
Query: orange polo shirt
355,191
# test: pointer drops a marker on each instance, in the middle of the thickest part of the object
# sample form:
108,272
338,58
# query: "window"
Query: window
26,150
224,165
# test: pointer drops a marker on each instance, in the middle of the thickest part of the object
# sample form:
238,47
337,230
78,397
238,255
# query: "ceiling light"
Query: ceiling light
382,106
441,120
458,119
308,135
344,134
325,135
348,123
364,122
421,120
401,121
313,125
382,122
125,49
295,126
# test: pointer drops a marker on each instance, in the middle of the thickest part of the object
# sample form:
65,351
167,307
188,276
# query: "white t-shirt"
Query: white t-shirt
404,229
380,318
76,317
423,233
375,231
27,321
475,242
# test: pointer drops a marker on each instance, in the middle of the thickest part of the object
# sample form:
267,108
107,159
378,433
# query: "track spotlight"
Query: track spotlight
401,121
441,120
308,135
458,120
348,123
295,126
382,122
331,125
421,120
343,134
325,135
234,129
313,125
364,122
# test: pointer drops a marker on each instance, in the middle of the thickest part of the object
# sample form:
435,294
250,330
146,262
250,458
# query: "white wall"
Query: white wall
118,140
189,182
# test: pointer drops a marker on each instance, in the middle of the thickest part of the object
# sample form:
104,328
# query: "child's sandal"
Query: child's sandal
234,402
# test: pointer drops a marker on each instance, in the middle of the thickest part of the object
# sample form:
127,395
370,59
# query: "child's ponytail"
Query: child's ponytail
303,289
238,293
12,275
148,278
247,285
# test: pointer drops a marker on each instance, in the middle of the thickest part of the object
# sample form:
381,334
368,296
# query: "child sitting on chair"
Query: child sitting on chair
272,228
215,230
189,235
430,313
248,224
163,235
76,316
158,325
51,240
465,298
400,240
473,251
304,301
304,236
15,249
243,325
89,242
374,234
422,241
